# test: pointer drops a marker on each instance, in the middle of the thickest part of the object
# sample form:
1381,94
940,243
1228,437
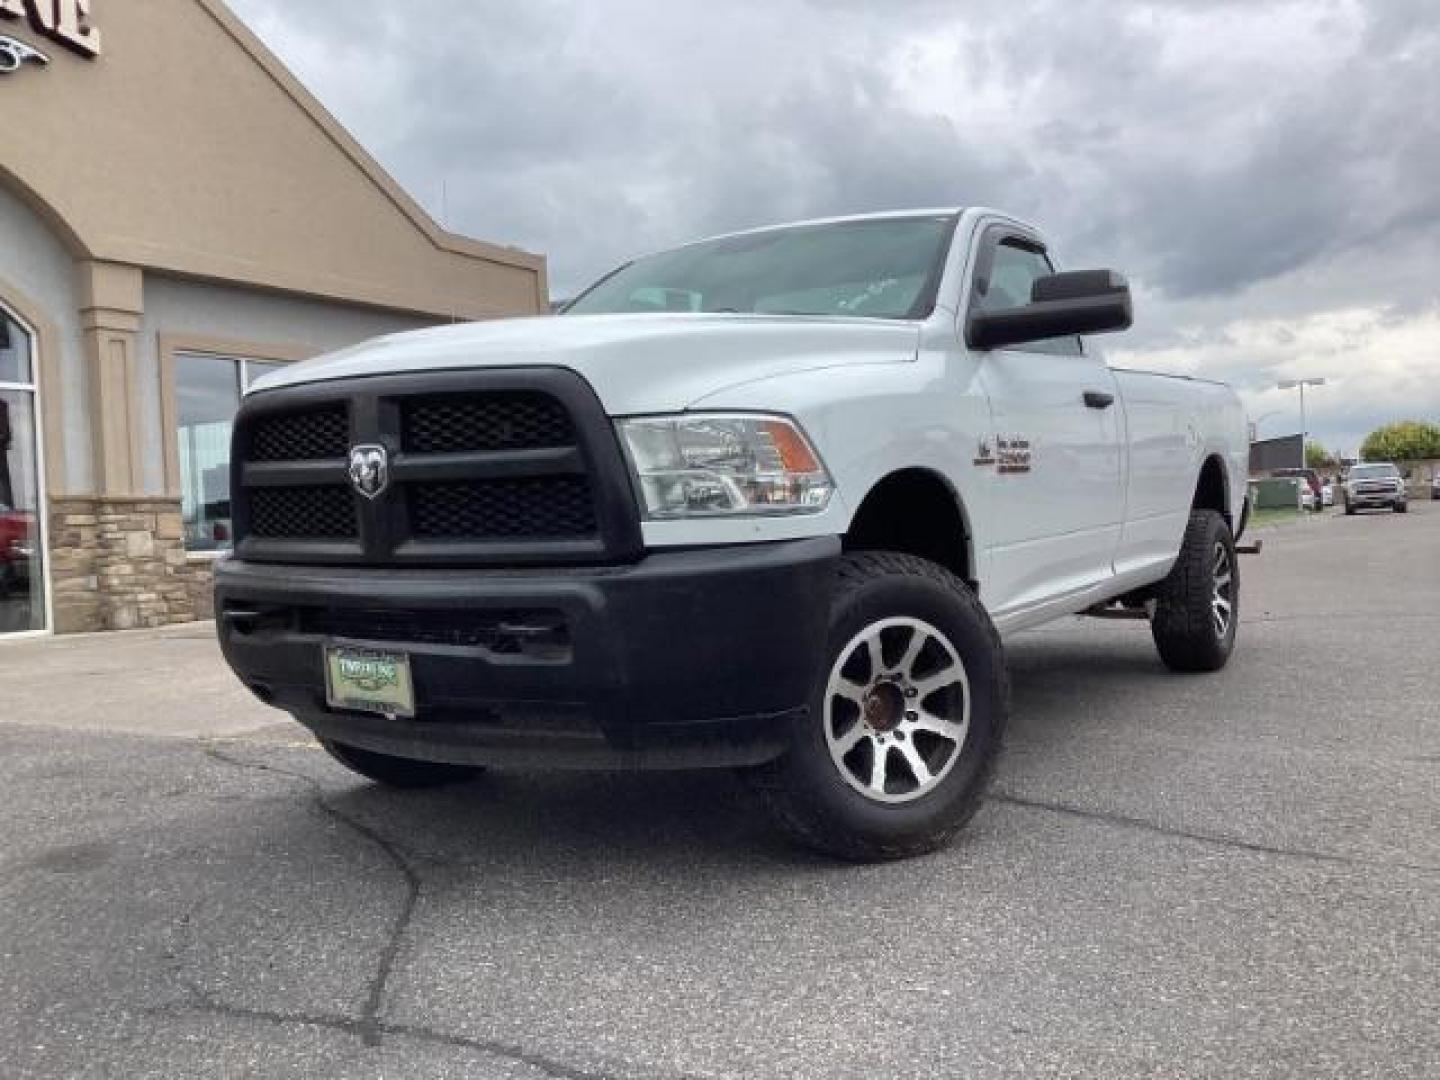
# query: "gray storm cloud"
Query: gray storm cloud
1254,166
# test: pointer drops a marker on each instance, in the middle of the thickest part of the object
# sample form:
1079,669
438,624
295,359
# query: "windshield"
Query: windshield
886,268
1374,472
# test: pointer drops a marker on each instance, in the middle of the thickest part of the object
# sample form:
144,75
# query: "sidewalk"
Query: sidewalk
169,682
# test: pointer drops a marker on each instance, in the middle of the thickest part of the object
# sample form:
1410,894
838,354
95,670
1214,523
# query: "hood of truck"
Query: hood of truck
636,363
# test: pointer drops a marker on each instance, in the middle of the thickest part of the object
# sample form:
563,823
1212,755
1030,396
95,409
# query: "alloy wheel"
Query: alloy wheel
897,710
1222,601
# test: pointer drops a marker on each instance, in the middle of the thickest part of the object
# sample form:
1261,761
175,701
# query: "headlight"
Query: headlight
700,466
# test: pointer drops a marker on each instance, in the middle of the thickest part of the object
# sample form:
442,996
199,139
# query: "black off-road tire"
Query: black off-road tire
398,772
1402,508
1184,623
1349,510
805,789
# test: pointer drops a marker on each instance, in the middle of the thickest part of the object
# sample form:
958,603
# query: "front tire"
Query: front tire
398,772
1402,508
904,727
1198,606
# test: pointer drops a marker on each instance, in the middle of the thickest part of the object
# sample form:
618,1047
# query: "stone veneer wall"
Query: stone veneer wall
74,526
120,564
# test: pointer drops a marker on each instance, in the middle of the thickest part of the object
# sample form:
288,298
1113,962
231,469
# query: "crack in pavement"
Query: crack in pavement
1342,616
1216,839
368,1026
203,1003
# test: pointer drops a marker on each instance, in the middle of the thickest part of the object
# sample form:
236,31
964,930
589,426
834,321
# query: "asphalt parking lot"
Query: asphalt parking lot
1220,876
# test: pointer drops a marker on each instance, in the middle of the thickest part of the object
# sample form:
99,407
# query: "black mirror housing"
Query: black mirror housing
1075,302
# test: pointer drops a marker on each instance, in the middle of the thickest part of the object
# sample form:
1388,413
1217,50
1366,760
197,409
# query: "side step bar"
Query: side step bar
1112,609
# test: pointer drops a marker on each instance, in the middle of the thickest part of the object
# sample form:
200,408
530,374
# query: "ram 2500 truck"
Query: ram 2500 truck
767,501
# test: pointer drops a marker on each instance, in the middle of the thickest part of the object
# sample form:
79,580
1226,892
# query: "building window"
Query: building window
207,396
22,574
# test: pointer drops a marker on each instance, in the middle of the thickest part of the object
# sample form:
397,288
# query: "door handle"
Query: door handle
1098,399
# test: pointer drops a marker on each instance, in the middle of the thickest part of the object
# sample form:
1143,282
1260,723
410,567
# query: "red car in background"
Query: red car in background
17,547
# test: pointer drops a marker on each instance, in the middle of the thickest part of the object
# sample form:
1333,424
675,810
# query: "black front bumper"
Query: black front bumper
682,659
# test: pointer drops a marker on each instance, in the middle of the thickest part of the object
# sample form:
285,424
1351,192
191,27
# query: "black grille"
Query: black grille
303,513
485,422
312,435
543,508
511,633
484,468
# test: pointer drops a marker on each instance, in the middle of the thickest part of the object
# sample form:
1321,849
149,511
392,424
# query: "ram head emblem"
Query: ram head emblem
369,470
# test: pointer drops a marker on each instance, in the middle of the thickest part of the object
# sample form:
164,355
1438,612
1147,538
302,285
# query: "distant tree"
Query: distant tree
1409,440
1317,457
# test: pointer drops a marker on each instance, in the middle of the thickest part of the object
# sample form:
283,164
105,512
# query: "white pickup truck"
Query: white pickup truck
766,501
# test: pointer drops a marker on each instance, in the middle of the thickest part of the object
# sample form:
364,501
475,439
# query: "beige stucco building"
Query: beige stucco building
176,214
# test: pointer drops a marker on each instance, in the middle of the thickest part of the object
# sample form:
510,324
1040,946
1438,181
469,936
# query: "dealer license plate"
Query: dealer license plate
365,680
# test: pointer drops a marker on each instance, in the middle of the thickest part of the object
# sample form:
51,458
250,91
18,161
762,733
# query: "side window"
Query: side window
1013,271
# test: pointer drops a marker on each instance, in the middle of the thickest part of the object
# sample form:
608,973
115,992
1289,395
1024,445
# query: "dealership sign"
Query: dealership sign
15,54
66,22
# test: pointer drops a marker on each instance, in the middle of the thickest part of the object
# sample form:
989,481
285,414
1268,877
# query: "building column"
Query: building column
113,299
118,553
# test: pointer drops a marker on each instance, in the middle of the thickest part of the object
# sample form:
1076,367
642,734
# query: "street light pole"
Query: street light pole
1304,427
1291,384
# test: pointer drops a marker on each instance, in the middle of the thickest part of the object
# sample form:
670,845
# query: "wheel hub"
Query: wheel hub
884,707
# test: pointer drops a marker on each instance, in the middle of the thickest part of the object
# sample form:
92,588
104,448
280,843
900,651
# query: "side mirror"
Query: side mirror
1076,302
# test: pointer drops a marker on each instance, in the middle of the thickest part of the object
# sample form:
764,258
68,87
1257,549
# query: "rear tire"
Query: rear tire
1198,606
398,772
905,724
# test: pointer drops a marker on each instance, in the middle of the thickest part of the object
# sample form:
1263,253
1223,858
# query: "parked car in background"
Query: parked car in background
1328,493
1314,497
1435,486
1374,484
16,548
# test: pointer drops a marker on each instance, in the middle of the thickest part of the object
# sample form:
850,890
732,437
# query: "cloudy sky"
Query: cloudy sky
1268,173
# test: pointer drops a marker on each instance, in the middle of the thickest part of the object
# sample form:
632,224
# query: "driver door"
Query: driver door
1055,459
